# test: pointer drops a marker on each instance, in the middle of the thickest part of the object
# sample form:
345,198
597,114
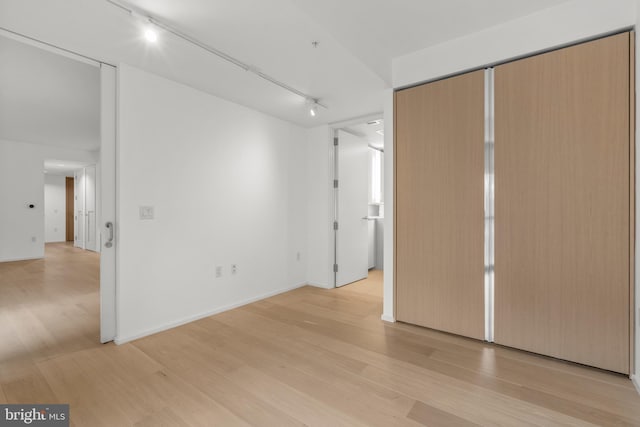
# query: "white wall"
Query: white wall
228,185
558,26
319,208
55,208
21,183
388,309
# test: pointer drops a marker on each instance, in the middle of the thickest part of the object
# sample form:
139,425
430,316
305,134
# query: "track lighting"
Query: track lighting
149,32
312,104
152,25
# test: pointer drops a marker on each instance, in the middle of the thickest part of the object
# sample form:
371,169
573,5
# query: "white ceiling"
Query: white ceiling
376,31
370,131
48,99
348,71
63,167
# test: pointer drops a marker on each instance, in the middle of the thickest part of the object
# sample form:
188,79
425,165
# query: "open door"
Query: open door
352,241
108,203
78,219
90,208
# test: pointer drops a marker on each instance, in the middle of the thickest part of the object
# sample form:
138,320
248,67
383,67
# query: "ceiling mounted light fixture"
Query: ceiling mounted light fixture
312,104
150,34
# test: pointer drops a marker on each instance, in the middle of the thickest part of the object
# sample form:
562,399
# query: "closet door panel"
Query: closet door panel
439,210
562,186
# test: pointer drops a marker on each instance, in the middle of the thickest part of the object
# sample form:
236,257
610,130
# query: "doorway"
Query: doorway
70,194
59,105
359,200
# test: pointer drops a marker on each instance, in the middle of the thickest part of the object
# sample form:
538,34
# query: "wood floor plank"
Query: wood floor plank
428,415
3,397
307,357
33,389
166,417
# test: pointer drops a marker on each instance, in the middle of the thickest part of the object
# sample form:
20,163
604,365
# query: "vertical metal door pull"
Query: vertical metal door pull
109,242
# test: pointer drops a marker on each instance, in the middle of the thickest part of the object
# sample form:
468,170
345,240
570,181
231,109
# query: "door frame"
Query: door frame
334,162
106,200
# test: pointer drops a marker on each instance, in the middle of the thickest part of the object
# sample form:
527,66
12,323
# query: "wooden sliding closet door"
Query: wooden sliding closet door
439,211
563,183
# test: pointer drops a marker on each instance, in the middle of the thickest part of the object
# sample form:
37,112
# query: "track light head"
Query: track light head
150,34
312,104
149,31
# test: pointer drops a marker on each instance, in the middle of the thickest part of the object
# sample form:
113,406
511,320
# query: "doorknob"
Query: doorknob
109,242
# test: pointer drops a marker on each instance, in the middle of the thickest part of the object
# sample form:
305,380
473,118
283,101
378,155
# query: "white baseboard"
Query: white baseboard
636,382
388,318
20,259
320,285
170,325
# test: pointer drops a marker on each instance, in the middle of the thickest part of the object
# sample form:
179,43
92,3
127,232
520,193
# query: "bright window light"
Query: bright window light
376,177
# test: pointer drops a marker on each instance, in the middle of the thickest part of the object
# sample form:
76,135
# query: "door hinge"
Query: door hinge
335,225
335,268
335,183
335,141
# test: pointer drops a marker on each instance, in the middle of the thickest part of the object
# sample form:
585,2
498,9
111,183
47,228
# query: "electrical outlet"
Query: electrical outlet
234,268
33,239
298,256
218,271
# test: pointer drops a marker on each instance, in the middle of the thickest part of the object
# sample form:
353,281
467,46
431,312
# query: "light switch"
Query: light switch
146,212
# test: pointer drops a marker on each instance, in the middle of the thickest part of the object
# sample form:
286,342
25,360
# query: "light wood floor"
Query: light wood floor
310,356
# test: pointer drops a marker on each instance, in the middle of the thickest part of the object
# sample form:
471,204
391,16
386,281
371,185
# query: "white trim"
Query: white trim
49,47
22,259
170,325
388,318
388,303
356,120
636,382
320,285
108,201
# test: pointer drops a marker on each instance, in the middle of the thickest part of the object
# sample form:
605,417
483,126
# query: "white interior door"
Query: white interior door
371,234
78,218
352,237
107,203
90,208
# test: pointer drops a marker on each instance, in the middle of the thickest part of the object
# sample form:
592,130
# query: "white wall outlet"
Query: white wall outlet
234,268
146,212
298,256
33,239
219,271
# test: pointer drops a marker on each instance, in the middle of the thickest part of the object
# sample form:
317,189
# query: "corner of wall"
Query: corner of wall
636,382
388,305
